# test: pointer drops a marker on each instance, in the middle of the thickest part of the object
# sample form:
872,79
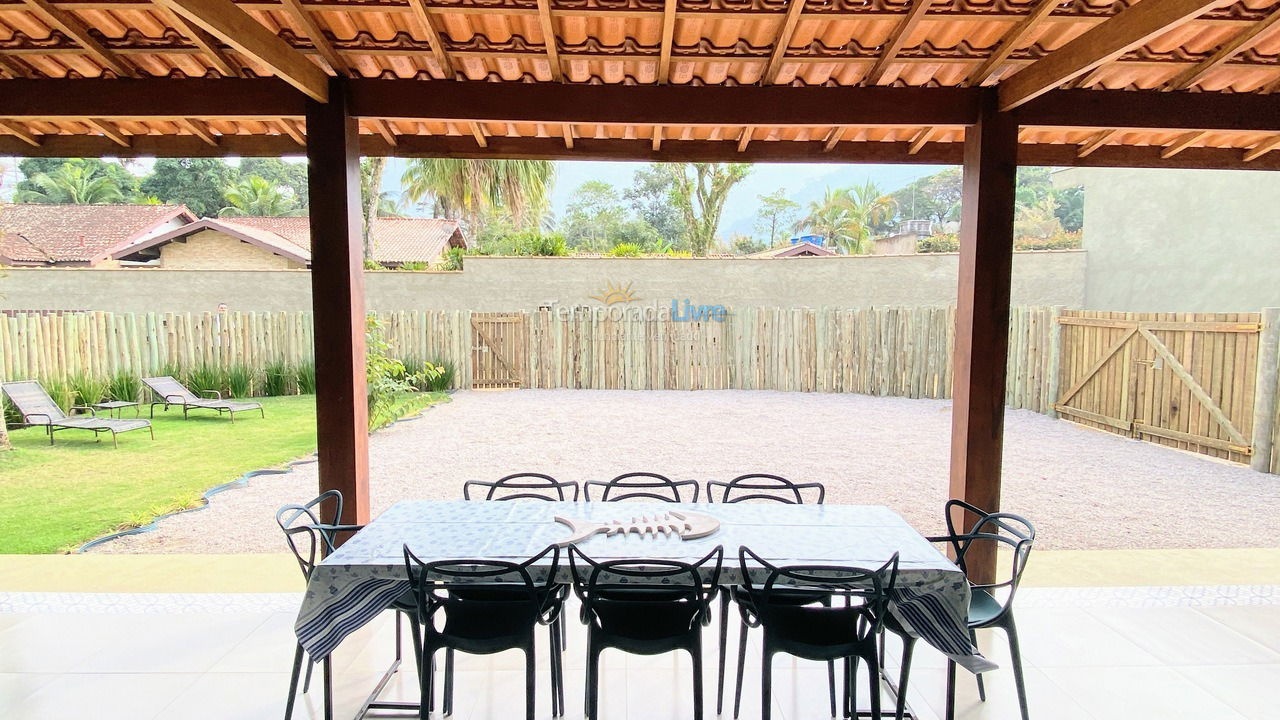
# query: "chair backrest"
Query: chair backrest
33,403
642,486
523,486
1004,531
765,487
310,538
482,598
609,589
166,387
867,592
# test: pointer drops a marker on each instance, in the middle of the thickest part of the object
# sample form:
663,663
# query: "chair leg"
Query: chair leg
530,680
831,684
328,687
766,685
695,652
293,683
306,684
418,661
1015,655
908,646
724,633
951,690
982,689
742,664
851,687
448,682
873,679
593,683
553,635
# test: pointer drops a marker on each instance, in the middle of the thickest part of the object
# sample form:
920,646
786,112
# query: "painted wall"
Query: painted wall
213,250
1040,278
1180,240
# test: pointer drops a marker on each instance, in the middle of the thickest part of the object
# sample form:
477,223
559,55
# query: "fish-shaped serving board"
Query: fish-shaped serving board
682,523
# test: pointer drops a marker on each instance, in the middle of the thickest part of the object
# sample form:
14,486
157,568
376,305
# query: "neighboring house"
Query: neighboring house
905,240
283,243
37,235
802,248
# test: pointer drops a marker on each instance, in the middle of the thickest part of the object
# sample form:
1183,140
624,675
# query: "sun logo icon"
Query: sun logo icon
613,294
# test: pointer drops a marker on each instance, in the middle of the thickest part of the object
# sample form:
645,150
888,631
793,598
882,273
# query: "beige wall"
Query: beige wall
213,250
1040,278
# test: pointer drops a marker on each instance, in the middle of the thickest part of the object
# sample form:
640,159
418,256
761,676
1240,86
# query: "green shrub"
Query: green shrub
125,386
443,380
384,374
425,376
416,265
452,259
278,379
89,389
11,416
241,380
939,243
62,392
625,250
306,377
206,378
372,265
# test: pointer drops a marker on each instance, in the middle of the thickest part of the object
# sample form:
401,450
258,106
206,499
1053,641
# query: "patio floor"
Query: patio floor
1166,652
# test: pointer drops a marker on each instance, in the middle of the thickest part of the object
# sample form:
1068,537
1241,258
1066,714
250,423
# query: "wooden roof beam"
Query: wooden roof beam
1183,142
432,29
1133,27
566,129
295,132
11,69
1261,149
234,26
1015,39
78,31
109,131
745,138
208,44
897,40
921,139
657,138
552,44
1095,142
317,37
478,132
833,139
20,131
200,130
668,38
384,129
794,9
1236,45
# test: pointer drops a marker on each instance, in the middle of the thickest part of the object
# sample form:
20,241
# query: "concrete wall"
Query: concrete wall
213,250
1040,278
1180,240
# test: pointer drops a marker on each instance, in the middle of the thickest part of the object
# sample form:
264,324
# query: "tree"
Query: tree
288,176
699,191
74,183
832,218
776,213
1038,221
1070,207
198,183
126,181
371,171
935,197
650,199
871,208
591,221
746,245
255,197
467,189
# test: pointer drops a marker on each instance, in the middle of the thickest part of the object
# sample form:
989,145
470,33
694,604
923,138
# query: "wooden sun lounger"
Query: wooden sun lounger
37,408
171,392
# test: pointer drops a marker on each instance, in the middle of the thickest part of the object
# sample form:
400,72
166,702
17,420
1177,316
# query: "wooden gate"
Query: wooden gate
1179,379
498,350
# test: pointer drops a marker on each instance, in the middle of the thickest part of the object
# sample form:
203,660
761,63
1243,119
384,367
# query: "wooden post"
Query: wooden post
982,316
337,298
1264,391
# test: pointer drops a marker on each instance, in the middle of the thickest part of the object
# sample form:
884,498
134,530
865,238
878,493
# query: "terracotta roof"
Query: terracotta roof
47,234
801,249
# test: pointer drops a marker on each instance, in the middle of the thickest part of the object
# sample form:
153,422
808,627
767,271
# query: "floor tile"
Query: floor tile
171,643
1251,690
17,687
1261,623
1138,692
1184,636
1071,638
1045,699
104,696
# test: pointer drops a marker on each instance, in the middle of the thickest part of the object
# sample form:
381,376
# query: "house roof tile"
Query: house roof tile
38,233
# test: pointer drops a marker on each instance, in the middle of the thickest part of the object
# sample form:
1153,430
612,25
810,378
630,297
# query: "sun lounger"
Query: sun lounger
171,392
37,408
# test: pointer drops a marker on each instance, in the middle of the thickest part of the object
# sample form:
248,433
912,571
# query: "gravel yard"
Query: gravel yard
1084,489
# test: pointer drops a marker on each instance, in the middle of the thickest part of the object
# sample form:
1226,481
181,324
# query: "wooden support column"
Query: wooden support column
337,299
982,316
1264,402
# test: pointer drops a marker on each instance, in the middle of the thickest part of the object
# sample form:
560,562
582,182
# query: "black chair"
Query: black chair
994,531
645,607
311,539
641,486
488,606
524,486
767,488
815,632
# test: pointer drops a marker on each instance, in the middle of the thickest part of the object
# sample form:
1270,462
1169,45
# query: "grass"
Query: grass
54,498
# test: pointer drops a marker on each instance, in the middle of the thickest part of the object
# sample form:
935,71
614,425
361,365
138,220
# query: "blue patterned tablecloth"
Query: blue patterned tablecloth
367,573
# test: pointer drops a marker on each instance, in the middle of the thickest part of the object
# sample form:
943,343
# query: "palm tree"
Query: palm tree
256,197
870,206
72,183
845,216
466,189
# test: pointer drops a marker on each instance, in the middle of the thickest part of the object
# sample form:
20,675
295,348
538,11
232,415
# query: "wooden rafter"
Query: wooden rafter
1015,39
833,138
668,38
897,40
1183,142
923,137
794,10
1095,142
288,127
1261,149
109,131
657,138
11,69
207,43
77,30
432,29
200,130
384,129
312,28
1134,26
566,129
548,26
745,138
478,132
235,27
1236,45
21,132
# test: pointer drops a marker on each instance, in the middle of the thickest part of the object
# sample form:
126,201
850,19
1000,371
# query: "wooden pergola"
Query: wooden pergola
989,85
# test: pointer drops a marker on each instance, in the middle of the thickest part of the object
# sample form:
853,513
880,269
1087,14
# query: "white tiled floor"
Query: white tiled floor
1092,657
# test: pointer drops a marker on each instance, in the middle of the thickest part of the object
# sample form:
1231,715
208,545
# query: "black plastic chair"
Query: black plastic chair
815,632
523,486
641,486
996,531
644,607
756,487
488,606
311,539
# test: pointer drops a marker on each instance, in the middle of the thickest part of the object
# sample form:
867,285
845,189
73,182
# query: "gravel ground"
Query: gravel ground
1084,489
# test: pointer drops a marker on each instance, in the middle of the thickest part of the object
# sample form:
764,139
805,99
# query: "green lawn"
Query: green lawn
53,498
